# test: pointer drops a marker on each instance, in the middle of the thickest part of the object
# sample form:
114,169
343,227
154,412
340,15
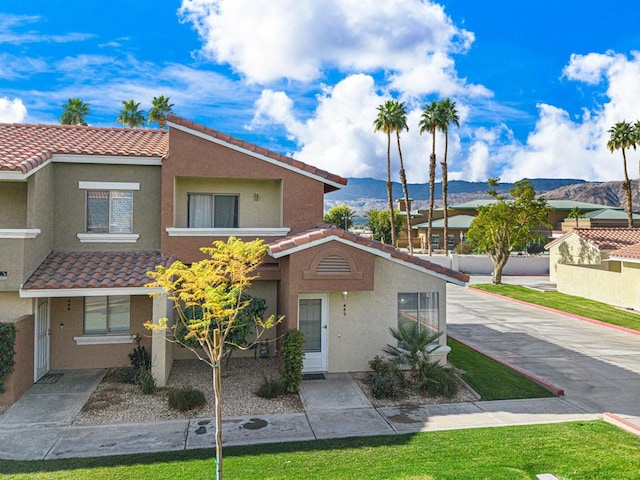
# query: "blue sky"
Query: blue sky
537,84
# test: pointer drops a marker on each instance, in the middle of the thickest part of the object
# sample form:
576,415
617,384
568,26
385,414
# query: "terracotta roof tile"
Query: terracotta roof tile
631,252
604,238
95,269
24,147
325,231
261,151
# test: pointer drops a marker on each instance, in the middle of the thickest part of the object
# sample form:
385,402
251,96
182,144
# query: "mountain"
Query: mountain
363,194
604,193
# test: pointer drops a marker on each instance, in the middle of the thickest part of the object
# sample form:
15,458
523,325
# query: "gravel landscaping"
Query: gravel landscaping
115,402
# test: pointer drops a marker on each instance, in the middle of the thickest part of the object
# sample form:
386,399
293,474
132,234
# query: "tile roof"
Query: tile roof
631,252
604,238
24,147
174,119
553,204
462,222
61,270
280,247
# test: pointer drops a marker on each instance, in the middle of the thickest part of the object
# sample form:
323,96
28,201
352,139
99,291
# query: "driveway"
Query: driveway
598,367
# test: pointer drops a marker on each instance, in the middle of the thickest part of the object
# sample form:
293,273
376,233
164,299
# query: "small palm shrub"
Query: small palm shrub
185,398
413,348
140,358
269,388
436,380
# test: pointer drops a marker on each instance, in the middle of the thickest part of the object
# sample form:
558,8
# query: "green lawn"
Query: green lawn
492,380
567,303
578,450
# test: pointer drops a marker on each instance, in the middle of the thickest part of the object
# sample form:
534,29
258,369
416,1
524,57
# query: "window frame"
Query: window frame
212,219
110,213
432,309
108,330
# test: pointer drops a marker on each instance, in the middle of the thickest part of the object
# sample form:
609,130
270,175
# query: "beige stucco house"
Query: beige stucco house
88,211
601,264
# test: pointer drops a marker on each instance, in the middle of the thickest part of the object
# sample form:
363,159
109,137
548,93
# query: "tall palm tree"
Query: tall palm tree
623,137
75,111
430,122
448,115
130,115
383,123
399,123
159,111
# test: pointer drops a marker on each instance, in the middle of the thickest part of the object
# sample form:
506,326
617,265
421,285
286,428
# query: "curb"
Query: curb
559,312
558,392
620,422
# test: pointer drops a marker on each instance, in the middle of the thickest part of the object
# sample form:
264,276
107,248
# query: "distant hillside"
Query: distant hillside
363,194
604,193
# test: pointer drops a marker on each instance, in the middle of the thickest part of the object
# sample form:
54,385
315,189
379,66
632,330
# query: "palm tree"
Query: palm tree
159,111
430,122
75,111
623,136
130,115
448,115
383,123
399,123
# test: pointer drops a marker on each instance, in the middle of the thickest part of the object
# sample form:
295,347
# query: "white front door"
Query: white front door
42,334
312,322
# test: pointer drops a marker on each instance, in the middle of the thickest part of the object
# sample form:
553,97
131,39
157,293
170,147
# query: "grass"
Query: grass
492,380
567,303
577,450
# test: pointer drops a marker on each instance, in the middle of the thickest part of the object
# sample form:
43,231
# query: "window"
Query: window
451,243
109,211
435,241
212,211
103,315
420,308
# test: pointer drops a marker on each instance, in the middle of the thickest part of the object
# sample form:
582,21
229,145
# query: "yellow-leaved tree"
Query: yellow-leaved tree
215,288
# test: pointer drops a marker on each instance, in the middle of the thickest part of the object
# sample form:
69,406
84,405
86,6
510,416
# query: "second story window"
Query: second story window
207,210
109,211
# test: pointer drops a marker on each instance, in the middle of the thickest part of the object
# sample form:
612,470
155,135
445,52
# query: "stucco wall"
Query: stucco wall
572,251
13,198
40,214
591,282
70,208
481,264
357,337
66,354
13,307
631,285
12,252
21,378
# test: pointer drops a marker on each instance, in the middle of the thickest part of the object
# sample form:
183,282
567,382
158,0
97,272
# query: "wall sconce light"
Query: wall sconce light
61,327
344,305
256,197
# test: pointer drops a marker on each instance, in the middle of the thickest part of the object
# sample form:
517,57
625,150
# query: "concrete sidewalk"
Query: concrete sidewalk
36,441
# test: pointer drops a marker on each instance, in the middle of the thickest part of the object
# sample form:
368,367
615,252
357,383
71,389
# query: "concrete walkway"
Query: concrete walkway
598,368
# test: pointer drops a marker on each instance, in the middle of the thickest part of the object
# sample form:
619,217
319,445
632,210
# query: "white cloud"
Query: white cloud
560,146
301,40
12,111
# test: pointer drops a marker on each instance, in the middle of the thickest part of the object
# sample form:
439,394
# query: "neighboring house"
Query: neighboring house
88,211
461,216
598,263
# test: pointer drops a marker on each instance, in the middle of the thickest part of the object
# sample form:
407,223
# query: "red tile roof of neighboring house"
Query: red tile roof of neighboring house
603,238
259,150
24,147
631,252
61,270
280,247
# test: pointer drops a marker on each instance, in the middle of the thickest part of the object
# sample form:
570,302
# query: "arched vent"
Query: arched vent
333,264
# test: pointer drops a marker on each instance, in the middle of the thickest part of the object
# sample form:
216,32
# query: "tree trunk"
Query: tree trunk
627,191
432,186
392,216
405,190
445,188
499,261
217,391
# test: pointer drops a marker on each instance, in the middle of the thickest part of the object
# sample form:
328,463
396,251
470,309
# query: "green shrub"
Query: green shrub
291,360
140,358
7,351
146,382
438,381
128,375
269,388
384,385
185,398
380,365
464,248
